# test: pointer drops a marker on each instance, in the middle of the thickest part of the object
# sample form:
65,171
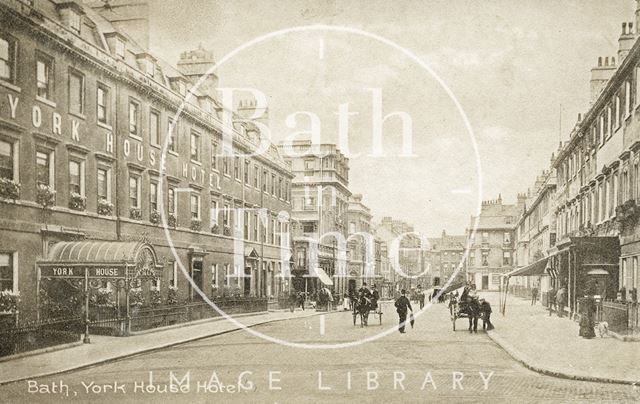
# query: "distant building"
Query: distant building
444,257
320,200
492,245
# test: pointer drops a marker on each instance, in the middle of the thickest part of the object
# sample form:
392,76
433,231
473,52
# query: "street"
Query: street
429,363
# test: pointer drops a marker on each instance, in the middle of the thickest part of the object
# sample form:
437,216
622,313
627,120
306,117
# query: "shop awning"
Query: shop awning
535,269
101,258
322,275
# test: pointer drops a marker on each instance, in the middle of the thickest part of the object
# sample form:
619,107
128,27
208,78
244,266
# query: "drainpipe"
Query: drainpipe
117,163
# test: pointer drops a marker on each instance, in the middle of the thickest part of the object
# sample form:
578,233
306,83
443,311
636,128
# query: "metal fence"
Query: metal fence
37,335
108,321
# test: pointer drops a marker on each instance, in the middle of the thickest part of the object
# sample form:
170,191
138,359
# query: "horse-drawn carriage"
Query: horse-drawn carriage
362,307
469,308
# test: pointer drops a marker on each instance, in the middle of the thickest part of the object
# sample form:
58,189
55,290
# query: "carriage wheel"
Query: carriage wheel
380,317
453,321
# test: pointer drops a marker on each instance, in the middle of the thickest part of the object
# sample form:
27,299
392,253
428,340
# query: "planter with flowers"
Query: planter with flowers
172,296
77,201
154,217
135,297
226,231
155,297
9,189
45,196
103,297
105,208
172,221
214,228
9,301
196,225
135,213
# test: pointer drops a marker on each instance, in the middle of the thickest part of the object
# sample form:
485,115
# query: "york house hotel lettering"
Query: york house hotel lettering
84,111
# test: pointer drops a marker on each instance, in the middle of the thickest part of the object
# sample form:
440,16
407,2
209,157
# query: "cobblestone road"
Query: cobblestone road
420,366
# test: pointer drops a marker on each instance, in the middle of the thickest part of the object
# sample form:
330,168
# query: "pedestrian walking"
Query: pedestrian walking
485,309
551,299
561,297
421,296
534,295
402,305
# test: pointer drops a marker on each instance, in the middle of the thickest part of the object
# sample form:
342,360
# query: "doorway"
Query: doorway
485,282
352,287
247,281
196,275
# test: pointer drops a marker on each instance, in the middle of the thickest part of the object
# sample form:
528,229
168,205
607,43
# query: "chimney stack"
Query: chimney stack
196,63
600,75
130,16
626,41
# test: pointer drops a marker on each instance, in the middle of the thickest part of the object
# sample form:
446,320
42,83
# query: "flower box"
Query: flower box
172,221
214,229
135,213
226,231
135,297
9,189
45,196
77,201
105,208
9,301
154,217
155,297
196,225
172,296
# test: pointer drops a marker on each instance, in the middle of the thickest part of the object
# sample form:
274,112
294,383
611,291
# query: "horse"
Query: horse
362,307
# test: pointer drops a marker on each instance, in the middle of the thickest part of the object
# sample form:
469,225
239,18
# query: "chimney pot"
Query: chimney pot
630,28
599,61
624,28
613,61
606,61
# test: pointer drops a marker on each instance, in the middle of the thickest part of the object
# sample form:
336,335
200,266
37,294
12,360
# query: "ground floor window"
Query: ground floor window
6,271
7,160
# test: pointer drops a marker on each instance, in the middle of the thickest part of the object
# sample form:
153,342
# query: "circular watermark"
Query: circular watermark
321,28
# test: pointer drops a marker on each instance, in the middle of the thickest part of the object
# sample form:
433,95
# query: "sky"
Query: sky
519,71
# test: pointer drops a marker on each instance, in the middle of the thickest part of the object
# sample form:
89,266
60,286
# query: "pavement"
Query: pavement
430,363
550,345
104,348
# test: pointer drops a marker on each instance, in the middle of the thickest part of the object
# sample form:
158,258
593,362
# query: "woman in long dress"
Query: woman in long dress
587,318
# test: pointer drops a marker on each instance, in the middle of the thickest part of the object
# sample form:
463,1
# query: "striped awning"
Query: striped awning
82,253
535,269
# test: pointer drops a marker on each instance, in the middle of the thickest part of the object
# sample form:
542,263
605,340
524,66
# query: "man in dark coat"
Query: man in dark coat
374,297
402,304
485,309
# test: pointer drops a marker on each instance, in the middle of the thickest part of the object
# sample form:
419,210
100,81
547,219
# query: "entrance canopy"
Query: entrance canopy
322,275
102,259
535,269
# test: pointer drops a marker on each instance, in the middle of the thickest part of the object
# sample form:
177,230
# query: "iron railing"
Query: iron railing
38,335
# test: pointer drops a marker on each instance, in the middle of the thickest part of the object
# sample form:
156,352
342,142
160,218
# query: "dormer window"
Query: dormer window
182,89
75,21
120,48
149,67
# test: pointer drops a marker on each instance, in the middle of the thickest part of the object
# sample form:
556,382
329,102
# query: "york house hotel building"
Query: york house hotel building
84,110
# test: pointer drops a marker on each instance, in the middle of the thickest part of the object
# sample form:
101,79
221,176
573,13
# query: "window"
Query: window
120,48
214,155
485,237
506,258
214,275
472,258
44,77
225,215
301,255
171,132
227,275
310,203
264,180
149,67
171,200
102,99
76,180
134,192
44,168
309,165
174,274
485,258
6,160
134,115
280,189
273,184
154,127
225,165
507,238
195,146
153,196
236,167
7,59
76,93
6,272
255,227
104,184
256,176
195,206
246,172
213,212
75,21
